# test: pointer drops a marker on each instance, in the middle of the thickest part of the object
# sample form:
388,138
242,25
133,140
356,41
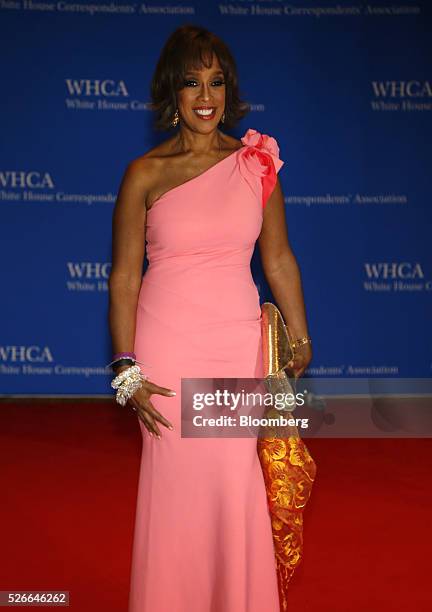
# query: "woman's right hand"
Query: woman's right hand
148,414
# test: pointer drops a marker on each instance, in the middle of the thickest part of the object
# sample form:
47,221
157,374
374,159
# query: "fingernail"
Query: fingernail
171,427
172,393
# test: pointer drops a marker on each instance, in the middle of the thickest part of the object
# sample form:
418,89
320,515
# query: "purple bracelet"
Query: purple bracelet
120,355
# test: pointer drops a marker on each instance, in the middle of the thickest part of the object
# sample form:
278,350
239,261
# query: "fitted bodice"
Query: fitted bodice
201,234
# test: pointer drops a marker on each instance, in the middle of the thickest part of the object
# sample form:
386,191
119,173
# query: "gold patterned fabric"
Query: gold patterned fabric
289,472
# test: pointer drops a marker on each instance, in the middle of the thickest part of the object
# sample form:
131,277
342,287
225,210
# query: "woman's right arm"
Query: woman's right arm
128,246
124,283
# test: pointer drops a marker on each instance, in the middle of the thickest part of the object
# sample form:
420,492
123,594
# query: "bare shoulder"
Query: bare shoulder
153,155
142,169
145,170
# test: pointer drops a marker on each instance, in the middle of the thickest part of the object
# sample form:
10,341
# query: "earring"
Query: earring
176,118
223,117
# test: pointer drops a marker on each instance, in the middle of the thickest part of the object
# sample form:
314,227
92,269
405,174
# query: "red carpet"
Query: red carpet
69,475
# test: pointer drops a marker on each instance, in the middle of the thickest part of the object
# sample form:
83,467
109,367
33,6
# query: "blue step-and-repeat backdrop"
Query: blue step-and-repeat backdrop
346,89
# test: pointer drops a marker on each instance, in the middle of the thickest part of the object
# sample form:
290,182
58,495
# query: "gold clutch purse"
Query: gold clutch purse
288,468
277,352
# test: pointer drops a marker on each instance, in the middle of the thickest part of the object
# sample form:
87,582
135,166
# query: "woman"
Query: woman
200,200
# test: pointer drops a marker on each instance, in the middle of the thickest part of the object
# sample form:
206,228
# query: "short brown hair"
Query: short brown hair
191,47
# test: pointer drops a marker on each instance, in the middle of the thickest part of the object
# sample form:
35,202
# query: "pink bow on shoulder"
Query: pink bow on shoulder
260,156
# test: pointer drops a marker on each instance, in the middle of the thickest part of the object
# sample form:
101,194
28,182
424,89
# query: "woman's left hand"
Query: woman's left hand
302,358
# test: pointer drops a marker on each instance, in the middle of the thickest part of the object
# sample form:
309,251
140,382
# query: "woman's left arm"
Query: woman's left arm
283,274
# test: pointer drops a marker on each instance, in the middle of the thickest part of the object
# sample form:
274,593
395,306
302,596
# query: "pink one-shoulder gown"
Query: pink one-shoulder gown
203,538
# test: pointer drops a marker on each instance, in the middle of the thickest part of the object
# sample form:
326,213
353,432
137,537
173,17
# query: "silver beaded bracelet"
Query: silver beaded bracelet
127,383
